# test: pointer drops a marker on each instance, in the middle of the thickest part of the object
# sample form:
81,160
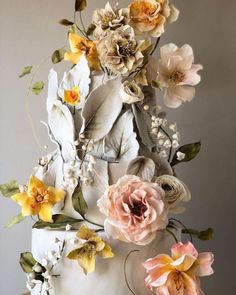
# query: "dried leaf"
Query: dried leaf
80,5
142,167
78,201
26,71
59,221
190,150
121,143
66,22
27,262
90,29
38,87
9,189
15,220
58,55
101,110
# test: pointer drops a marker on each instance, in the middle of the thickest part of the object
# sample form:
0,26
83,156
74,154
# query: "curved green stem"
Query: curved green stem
155,46
173,235
184,227
125,274
94,223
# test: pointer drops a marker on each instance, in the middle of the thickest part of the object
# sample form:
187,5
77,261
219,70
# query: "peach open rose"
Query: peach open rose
150,16
180,273
135,210
177,74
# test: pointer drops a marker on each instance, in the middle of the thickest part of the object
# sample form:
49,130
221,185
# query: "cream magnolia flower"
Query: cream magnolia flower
74,87
109,18
177,74
120,52
175,192
131,92
150,16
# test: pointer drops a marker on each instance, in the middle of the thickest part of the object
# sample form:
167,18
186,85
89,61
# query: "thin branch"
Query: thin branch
125,273
156,44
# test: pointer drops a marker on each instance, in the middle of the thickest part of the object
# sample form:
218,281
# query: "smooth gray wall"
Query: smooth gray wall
29,32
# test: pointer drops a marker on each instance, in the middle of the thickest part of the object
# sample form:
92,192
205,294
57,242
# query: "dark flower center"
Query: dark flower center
138,209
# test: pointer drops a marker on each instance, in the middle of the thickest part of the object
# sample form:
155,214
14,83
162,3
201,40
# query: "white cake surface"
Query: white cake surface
108,277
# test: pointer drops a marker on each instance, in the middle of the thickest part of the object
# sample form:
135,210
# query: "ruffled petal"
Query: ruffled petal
202,266
180,249
175,96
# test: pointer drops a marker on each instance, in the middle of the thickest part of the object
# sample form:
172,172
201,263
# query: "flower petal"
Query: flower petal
20,198
202,266
45,212
161,259
34,182
181,249
174,96
184,262
56,195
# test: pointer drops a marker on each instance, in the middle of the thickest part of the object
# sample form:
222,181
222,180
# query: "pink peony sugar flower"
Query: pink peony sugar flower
135,210
179,274
177,74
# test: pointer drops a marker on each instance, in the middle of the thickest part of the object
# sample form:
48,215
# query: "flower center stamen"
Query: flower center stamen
176,77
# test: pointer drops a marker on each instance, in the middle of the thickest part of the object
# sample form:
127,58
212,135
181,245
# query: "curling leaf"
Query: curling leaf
79,202
9,189
58,55
27,262
80,5
38,87
15,220
25,71
142,167
59,221
190,151
65,22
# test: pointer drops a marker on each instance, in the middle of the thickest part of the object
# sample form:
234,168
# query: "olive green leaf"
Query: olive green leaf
59,221
190,151
90,29
27,262
79,202
15,220
80,5
58,55
65,22
204,235
38,87
9,189
25,71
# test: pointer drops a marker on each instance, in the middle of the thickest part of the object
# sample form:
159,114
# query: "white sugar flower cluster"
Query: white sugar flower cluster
71,174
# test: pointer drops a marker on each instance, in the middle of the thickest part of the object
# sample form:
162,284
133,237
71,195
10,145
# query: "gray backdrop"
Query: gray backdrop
29,32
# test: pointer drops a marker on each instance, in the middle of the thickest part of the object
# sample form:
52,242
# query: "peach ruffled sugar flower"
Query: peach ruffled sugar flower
180,273
90,246
38,199
150,16
177,74
135,210
79,46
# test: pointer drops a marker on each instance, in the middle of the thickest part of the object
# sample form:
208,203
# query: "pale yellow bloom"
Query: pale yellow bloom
94,245
80,45
38,199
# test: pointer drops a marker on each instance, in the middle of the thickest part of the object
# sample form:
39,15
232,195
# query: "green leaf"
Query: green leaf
27,262
204,235
38,87
65,22
59,221
58,55
80,5
79,202
25,71
15,220
9,189
190,151
73,29
90,29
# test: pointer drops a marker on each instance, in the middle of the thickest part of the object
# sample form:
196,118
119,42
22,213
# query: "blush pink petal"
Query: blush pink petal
184,262
191,76
175,96
203,267
156,261
180,249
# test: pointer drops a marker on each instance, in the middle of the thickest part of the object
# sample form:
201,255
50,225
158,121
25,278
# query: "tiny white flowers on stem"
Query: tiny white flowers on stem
177,74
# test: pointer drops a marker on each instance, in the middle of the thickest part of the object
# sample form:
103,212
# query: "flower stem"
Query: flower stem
155,46
170,151
173,235
184,227
125,273
94,223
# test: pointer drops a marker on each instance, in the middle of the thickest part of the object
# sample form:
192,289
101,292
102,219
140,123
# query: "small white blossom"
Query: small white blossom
37,268
173,127
163,154
68,227
180,156
160,135
160,141
167,143
44,262
176,136
146,107
175,144
155,130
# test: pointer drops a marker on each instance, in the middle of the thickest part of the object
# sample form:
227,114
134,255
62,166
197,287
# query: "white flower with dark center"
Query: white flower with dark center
131,92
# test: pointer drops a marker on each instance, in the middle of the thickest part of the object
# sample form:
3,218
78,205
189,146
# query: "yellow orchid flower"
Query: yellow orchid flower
38,199
80,45
86,253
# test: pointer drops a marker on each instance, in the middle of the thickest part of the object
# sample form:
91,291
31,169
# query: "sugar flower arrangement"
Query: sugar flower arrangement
106,110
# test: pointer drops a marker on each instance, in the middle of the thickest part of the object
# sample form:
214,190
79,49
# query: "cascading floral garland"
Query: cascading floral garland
111,87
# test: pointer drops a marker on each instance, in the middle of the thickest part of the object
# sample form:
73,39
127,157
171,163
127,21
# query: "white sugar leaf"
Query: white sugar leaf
142,167
61,123
121,143
52,89
101,110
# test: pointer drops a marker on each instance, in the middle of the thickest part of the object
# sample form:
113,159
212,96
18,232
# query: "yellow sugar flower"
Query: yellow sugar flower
80,45
72,96
87,251
38,199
